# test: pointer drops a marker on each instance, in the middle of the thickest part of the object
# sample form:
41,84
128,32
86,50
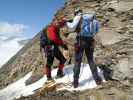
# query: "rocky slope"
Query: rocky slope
114,50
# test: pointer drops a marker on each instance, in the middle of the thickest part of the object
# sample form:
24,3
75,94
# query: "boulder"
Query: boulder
109,37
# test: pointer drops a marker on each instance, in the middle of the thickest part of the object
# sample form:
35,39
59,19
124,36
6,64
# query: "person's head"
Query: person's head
57,22
77,11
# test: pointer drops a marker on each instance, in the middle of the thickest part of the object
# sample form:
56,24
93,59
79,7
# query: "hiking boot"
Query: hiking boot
75,83
49,78
99,81
60,74
97,78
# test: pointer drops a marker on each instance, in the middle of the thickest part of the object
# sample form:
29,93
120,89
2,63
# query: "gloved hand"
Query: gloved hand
65,47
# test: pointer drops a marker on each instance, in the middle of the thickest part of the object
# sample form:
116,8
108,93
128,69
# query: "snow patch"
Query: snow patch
19,89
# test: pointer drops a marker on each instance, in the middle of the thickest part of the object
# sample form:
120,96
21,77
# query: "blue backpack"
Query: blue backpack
88,28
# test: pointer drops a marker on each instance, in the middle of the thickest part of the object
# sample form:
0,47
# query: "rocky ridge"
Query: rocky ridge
114,50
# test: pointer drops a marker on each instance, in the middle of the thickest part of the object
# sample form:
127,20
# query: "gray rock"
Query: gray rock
122,6
109,37
131,31
122,70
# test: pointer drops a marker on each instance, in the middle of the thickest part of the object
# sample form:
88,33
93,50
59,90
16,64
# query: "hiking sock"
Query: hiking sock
61,66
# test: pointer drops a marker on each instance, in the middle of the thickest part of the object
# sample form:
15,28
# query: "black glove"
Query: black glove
65,47
66,34
70,20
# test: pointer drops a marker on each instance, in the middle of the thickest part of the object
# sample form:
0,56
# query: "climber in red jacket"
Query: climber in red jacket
52,50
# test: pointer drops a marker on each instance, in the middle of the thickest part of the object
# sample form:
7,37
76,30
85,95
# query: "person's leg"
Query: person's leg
89,53
47,68
62,60
76,69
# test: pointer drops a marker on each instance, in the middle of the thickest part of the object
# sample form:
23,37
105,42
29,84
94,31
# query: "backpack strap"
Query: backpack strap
78,28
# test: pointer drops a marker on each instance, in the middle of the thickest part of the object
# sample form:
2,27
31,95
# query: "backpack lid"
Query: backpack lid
89,16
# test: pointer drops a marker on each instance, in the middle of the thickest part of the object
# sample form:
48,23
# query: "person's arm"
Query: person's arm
52,35
72,25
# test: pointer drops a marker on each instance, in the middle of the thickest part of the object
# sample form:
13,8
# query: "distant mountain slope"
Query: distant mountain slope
9,46
15,64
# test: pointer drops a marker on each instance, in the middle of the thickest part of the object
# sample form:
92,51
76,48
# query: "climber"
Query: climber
52,50
86,26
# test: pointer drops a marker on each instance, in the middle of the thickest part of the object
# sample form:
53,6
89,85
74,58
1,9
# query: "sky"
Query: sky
26,17
22,20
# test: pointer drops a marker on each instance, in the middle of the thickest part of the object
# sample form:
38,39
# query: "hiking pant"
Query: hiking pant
52,52
84,44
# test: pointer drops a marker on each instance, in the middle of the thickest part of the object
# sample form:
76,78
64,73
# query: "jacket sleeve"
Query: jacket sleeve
52,35
72,25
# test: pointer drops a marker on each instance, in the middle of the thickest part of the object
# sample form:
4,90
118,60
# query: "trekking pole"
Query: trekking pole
68,59
69,80
83,67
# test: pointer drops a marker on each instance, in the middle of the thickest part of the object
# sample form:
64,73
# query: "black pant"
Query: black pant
54,52
51,52
84,44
